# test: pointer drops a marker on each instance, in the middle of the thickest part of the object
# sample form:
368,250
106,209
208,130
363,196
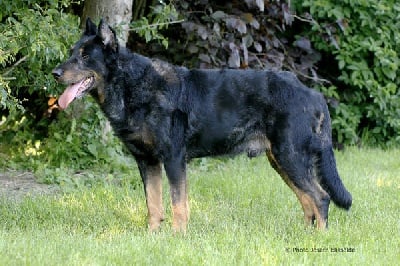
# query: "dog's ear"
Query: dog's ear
108,36
91,28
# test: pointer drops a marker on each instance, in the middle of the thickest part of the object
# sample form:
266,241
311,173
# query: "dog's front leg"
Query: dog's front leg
176,172
151,176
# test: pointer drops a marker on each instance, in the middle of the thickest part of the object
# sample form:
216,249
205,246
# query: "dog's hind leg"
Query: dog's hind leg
151,175
297,175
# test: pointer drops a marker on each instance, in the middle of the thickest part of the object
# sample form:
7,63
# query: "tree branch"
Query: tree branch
157,24
14,66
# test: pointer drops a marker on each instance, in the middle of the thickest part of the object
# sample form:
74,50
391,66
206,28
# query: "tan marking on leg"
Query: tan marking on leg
307,205
311,211
320,193
153,188
321,222
180,207
310,208
180,217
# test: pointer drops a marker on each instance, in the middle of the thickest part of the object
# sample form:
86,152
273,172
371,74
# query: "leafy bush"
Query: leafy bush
75,141
234,35
33,40
35,37
160,17
78,141
243,34
363,38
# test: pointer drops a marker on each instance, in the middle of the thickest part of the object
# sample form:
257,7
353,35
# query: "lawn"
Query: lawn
242,213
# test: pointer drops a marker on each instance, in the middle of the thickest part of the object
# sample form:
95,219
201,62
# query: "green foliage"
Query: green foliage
33,39
160,17
363,36
37,36
243,34
235,35
9,8
7,101
76,141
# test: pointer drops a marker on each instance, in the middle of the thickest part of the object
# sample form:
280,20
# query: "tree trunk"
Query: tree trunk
117,13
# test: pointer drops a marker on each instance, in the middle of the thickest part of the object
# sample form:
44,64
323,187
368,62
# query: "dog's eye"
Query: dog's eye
83,53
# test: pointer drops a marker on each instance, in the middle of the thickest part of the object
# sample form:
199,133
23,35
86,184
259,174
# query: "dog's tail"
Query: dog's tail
330,180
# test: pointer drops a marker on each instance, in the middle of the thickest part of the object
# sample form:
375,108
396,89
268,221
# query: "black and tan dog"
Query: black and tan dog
167,115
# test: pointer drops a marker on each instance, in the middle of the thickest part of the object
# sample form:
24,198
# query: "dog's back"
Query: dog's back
227,108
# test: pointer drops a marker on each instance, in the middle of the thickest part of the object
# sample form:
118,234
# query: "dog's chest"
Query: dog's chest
139,139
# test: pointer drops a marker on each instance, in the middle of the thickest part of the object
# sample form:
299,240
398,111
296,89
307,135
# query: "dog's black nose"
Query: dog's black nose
57,72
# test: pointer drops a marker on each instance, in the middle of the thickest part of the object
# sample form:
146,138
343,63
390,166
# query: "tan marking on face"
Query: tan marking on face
99,84
72,75
101,96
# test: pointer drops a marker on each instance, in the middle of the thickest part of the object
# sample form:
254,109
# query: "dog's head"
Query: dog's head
86,67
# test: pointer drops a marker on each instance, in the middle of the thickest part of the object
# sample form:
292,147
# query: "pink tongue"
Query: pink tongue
69,95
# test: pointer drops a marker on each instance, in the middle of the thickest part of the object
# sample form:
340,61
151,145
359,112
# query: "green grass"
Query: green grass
242,213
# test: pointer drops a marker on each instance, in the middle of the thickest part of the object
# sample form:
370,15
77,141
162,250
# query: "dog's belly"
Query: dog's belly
253,145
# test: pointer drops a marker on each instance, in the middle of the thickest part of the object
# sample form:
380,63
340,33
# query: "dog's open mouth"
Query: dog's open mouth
74,91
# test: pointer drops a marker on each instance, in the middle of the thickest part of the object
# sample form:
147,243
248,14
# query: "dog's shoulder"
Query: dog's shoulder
168,72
